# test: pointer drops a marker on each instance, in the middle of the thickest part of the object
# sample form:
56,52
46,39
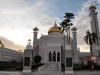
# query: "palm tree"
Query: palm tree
90,39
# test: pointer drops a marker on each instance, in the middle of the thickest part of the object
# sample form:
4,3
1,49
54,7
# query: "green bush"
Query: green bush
9,65
37,59
77,66
17,68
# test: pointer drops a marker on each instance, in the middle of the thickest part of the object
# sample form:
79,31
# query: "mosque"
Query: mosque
51,47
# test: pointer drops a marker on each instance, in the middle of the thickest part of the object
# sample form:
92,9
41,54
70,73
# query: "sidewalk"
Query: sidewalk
50,73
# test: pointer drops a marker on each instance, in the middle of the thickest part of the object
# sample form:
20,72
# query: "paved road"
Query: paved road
50,73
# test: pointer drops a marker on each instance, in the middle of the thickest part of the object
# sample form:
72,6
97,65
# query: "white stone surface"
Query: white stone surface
69,72
97,47
68,47
29,47
27,71
54,44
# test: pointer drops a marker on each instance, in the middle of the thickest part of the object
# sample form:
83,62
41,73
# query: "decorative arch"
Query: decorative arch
54,56
58,57
50,56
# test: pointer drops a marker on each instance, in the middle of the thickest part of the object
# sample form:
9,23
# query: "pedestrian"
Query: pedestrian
91,69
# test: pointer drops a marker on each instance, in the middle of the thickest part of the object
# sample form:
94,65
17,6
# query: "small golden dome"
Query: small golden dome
35,29
55,29
74,29
92,7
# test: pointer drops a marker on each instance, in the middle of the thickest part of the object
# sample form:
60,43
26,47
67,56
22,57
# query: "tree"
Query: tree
90,39
37,59
65,24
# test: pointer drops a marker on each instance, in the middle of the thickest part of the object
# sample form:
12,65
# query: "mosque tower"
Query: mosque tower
94,22
35,41
75,52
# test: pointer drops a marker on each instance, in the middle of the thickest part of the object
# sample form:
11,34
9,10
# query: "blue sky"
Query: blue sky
19,17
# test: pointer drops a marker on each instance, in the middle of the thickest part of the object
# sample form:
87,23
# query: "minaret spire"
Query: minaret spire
94,22
55,24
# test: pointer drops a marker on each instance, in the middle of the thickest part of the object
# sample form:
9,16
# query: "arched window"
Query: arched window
54,56
58,57
50,56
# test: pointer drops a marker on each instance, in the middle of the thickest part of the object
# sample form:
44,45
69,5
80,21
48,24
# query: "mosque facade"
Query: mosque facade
51,47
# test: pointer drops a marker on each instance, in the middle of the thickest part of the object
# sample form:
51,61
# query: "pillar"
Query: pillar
27,60
94,22
74,42
35,41
68,59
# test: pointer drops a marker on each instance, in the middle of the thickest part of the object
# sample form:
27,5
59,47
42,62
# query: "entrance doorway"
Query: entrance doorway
58,57
50,56
54,56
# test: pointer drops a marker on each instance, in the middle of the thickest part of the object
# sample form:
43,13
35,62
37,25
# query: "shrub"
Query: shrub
77,66
13,61
17,68
37,59
9,65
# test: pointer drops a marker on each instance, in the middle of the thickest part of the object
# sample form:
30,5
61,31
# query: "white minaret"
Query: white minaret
94,21
75,52
35,41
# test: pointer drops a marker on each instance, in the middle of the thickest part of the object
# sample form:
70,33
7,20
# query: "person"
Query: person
91,68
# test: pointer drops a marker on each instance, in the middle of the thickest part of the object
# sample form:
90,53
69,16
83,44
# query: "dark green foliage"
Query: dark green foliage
7,65
13,61
65,24
91,38
77,66
37,59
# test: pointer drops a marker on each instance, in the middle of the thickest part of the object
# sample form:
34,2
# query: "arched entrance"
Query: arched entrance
58,57
54,56
50,56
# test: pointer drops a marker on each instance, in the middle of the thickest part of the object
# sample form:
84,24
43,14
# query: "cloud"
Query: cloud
82,23
11,45
19,17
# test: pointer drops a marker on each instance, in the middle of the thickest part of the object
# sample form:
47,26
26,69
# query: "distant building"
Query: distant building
9,55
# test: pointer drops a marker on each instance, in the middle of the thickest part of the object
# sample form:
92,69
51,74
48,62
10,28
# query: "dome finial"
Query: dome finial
92,7
55,24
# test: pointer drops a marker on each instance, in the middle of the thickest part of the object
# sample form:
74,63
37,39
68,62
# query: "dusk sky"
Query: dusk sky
19,17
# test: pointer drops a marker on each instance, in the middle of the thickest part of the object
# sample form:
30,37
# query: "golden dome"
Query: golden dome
35,29
74,29
92,7
55,29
